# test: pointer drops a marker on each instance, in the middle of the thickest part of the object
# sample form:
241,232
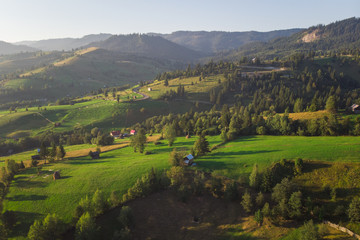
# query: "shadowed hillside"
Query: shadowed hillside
150,46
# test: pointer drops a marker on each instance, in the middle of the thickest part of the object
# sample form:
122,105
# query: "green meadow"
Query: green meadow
32,196
107,115
194,89
237,157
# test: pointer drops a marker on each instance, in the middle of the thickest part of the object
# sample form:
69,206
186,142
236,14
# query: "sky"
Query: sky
44,19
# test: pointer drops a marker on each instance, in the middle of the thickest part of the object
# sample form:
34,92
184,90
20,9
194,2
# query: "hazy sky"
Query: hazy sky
43,19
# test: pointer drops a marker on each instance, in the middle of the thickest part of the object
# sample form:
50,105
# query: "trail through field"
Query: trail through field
145,96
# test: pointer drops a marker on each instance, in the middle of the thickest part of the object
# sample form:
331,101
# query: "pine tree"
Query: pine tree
201,146
138,141
331,104
254,177
60,152
86,228
247,202
170,134
354,210
44,152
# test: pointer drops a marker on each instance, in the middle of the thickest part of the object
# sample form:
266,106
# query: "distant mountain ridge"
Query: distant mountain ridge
66,44
8,48
149,46
215,41
335,37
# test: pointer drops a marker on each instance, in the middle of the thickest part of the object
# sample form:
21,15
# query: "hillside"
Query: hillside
334,37
77,73
8,48
65,44
150,46
216,41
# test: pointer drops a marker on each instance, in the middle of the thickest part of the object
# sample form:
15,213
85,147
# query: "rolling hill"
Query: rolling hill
8,48
216,41
77,73
65,44
149,46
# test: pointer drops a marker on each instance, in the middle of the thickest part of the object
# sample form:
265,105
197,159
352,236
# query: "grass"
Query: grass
33,196
75,74
107,115
236,158
194,89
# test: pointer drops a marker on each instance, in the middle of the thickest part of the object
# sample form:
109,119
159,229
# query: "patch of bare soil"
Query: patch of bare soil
311,37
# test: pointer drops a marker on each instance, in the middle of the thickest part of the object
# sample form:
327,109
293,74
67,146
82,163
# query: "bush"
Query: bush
86,228
247,202
126,217
50,228
176,158
309,231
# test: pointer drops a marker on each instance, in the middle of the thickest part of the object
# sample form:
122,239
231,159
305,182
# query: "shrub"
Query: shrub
50,228
126,217
258,217
86,228
354,210
247,202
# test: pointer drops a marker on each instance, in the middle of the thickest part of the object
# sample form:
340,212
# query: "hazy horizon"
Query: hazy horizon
42,19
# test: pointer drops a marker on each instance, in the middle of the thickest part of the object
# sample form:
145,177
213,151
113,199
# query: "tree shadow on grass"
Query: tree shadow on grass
31,197
239,153
29,184
81,162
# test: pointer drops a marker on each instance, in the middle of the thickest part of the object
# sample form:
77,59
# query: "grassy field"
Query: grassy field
237,157
194,89
75,74
107,115
32,196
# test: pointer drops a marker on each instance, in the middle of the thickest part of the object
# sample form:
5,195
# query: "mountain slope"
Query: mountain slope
66,44
219,41
336,36
150,46
8,48
77,73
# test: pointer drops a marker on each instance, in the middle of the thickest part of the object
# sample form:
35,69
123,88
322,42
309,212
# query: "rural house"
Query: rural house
188,160
132,132
355,108
116,134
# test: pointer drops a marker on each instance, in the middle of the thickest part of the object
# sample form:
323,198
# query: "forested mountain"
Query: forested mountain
65,44
8,48
150,46
335,37
216,41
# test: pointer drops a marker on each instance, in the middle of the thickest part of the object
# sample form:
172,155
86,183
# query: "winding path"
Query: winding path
145,96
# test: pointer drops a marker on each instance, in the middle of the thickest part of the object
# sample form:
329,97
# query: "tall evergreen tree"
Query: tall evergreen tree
170,134
138,141
254,179
201,146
